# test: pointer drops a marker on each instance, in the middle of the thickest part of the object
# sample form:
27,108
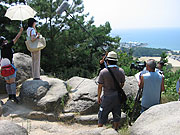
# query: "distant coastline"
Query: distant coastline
167,38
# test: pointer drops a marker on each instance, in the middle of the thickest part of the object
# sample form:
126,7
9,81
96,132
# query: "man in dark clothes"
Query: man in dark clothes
109,101
7,55
6,48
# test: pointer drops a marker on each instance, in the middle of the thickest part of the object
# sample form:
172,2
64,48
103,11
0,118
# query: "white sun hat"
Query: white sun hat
5,62
112,56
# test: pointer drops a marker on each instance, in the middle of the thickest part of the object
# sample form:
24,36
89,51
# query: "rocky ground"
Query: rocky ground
17,115
51,106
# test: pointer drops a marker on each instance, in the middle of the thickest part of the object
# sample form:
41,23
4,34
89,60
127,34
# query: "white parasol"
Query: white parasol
20,12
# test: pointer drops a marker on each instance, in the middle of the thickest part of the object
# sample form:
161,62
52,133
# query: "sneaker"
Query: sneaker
14,98
36,79
2,103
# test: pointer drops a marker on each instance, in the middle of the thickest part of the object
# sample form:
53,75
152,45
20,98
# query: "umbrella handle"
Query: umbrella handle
21,25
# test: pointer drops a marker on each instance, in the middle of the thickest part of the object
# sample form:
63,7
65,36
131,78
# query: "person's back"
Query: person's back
109,101
152,84
108,82
151,89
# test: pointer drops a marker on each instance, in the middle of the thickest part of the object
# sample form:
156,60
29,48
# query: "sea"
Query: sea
168,38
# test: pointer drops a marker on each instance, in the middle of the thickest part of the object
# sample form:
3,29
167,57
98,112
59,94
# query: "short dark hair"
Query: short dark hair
2,39
151,63
161,63
31,21
111,62
103,54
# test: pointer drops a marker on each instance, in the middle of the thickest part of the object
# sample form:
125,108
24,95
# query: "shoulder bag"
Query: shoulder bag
36,45
121,94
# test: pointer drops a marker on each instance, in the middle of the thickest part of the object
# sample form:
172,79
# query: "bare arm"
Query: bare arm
99,93
141,82
34,37
18,35
102,61
162,85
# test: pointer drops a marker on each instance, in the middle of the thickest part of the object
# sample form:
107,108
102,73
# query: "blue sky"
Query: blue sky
127,14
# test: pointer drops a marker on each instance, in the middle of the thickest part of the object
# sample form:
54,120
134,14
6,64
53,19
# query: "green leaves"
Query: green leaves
70,50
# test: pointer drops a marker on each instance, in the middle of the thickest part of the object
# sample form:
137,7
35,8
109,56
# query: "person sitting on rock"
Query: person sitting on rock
152,84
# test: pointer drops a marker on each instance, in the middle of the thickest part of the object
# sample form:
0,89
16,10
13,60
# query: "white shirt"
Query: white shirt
32,30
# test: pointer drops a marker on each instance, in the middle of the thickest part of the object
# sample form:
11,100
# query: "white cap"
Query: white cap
5,62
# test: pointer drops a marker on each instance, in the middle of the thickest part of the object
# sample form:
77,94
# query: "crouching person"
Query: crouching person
110,102
8,71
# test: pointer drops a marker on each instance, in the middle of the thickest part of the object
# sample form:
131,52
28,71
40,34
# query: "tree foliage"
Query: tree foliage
70,50
164,57
144,51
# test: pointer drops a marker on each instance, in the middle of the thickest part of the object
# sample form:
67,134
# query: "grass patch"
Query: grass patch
124,130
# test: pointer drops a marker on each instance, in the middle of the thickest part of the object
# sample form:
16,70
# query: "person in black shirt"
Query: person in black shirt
6,48
7,54
102,62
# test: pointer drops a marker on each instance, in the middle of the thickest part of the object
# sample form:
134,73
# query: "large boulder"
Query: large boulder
131,86
83,96
0,108
10,128
158,120
48,94
2,85
23,64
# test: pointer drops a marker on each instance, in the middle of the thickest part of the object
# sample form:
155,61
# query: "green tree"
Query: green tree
9,29
164,57
70,50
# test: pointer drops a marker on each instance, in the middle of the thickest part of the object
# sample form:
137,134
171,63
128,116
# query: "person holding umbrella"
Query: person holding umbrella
6,47
7,57
34,35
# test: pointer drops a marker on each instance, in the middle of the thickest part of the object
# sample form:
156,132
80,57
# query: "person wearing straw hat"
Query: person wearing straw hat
34,35
109,101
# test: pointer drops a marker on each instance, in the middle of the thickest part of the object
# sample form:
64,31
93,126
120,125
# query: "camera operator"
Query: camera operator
152,84
159,69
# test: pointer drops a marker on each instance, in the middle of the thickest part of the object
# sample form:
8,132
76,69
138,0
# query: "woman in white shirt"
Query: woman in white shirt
34,35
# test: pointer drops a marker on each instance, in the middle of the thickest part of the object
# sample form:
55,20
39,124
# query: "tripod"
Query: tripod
137,99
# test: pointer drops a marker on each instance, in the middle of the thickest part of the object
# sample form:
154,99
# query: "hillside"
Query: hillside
144,51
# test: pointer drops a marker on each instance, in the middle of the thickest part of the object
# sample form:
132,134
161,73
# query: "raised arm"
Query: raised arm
18,35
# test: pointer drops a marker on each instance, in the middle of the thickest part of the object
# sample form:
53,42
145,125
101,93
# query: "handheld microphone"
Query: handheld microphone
62,7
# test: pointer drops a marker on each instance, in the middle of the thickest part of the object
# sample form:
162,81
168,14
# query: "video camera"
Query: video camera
138,66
